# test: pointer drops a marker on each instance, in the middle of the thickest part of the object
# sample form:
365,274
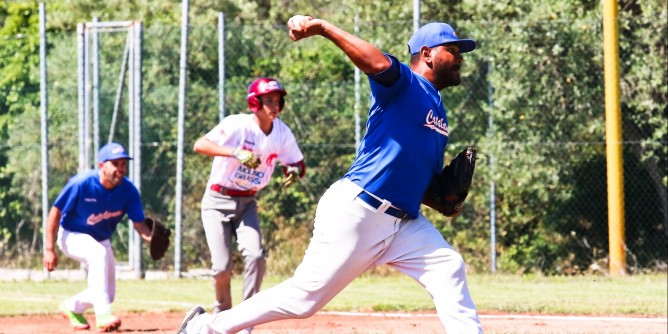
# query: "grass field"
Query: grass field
642,295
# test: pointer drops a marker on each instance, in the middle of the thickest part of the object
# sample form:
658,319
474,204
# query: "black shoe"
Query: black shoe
193,312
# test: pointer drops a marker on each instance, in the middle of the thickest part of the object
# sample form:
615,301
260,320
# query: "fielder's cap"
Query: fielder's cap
435,34
112,151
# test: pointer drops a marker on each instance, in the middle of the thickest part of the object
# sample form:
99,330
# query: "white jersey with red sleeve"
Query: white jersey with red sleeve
242,131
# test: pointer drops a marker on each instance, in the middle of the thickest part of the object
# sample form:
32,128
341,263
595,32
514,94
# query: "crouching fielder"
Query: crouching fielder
83,219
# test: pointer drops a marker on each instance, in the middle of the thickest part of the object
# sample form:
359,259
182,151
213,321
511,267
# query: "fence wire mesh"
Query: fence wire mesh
533,104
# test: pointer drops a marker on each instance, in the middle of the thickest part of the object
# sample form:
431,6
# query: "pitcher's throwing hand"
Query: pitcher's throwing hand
304,26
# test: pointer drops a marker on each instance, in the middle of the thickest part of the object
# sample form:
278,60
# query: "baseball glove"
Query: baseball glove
159,238
292,175
449,190
246,157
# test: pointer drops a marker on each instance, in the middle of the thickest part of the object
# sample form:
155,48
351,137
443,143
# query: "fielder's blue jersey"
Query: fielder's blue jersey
90,208
405,139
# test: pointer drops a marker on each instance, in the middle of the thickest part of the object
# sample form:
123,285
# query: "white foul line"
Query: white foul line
505,316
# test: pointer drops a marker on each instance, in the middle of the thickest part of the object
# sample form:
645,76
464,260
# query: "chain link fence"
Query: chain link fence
542,163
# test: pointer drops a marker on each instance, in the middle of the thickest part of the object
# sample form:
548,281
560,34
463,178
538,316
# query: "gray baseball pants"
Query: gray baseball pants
224,217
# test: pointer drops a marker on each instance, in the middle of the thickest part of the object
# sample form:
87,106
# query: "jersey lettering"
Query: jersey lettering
436,123
94,219
251,176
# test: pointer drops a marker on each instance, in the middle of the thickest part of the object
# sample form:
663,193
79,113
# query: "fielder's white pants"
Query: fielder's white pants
99,259
349,238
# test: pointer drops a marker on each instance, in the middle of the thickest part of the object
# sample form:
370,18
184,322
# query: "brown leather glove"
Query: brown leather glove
159,238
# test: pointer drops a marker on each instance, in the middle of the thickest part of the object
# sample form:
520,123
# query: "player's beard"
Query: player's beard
448,75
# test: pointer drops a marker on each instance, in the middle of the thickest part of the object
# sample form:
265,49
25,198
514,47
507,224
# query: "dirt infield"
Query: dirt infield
358,323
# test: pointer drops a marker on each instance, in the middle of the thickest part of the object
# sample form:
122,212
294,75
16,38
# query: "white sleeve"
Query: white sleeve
226,131
290,153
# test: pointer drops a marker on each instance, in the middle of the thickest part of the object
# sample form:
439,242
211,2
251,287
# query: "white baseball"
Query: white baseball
297,21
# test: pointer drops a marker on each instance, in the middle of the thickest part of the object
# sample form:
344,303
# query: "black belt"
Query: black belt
375,203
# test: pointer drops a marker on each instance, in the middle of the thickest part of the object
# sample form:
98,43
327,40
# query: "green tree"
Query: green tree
537,75
19,101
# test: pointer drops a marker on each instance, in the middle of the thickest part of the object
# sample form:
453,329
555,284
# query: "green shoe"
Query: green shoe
107,322
77,320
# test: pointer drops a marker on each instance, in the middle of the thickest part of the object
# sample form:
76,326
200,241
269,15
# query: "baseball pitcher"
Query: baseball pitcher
371,216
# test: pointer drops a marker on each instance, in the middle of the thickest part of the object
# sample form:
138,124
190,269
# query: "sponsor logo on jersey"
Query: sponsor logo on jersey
90,200
96,218
248,178
271,158
436,123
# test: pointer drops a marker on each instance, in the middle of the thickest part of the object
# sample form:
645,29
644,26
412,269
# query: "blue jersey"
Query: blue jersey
405,139
88,207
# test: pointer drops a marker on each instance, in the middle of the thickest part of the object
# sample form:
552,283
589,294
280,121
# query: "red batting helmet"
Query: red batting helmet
260,87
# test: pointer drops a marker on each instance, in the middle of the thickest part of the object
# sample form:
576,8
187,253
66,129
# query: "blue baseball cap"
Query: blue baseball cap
435,34
112,151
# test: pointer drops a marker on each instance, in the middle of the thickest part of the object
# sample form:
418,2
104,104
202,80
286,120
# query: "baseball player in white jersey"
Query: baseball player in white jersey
372,215
246,149
83,219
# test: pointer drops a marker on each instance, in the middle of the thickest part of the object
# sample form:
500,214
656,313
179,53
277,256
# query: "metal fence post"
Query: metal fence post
43,107
221,65
136,143
81,74
95,53
492,185
179,147
357,95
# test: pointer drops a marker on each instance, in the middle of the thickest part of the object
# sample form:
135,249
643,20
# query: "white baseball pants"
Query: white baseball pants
349,238
99,258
